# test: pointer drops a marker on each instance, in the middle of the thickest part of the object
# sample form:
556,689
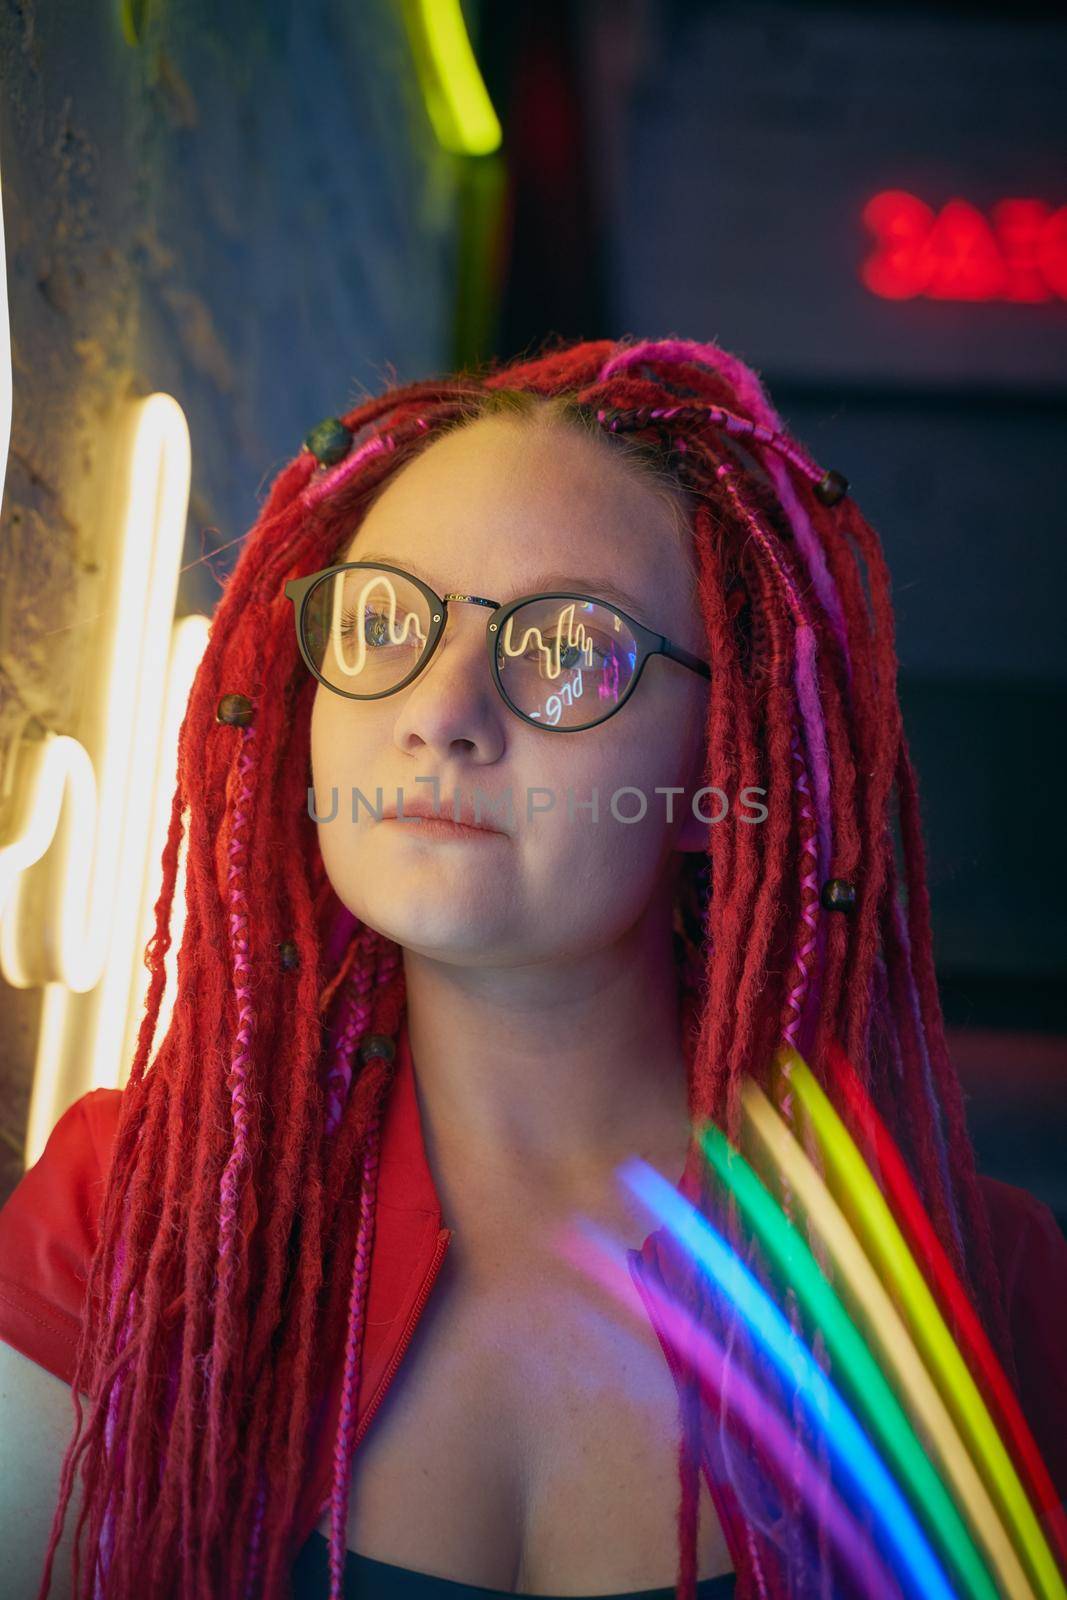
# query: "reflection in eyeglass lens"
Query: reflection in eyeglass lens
366,630
567,663
564,662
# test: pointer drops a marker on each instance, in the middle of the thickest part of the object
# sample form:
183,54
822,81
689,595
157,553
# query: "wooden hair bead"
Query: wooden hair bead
329,441
838,894
377,1044
831,488
236,710
288,955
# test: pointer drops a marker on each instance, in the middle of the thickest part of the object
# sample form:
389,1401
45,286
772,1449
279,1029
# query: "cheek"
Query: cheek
339,742
336,760
628,769
315,743
655,754
323,736
332,777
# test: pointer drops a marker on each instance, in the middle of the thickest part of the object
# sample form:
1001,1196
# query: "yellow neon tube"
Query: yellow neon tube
886,1330
457,101
887,1250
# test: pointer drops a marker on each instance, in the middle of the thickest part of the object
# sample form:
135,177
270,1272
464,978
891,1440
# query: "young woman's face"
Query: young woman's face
487,511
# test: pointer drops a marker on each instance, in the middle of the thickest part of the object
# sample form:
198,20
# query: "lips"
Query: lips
422,805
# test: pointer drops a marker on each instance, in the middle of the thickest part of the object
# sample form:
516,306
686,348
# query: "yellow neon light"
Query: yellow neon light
83,820
350,623
577,638
886,1249
47,765
341,622
457,101
104,826
188,643
886,1330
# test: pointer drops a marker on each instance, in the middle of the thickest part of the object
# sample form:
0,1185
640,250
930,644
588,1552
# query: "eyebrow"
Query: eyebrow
547,580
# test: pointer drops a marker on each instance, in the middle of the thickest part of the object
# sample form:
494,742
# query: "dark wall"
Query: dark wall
735,147
246,207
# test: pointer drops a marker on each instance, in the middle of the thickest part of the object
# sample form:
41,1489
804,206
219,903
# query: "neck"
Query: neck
541,1079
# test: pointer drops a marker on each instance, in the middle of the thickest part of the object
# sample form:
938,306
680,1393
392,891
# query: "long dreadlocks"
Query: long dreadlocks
234,1229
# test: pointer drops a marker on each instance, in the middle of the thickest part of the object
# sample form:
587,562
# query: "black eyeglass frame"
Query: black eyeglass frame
649,643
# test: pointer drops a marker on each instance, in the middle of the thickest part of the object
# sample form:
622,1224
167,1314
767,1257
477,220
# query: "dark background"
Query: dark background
250,210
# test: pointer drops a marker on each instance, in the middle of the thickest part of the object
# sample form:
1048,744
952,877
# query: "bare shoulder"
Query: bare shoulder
36,1422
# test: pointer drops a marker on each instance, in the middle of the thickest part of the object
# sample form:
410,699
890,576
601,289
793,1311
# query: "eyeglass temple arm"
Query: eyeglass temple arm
676,653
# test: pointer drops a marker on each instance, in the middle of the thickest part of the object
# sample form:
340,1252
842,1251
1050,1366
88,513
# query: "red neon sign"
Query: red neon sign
958,254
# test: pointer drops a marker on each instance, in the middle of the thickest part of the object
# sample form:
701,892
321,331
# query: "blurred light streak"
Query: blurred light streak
886,1330
858,1461
748,1413
870,1392
882,1155
457,102
892,1260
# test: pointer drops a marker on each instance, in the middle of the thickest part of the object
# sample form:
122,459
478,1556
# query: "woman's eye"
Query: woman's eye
375,627
591,650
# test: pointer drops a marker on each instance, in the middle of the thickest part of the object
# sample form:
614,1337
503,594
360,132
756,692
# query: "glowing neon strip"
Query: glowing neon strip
457,102
577,638
84,811
187,646
75,934
99,833
746,1410
856,1458
906,1205
352,622
890,1255
870,1391
899,1357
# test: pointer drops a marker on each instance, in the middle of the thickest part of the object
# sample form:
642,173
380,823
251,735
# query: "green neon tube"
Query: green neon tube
899,1358
870,1390
887,1249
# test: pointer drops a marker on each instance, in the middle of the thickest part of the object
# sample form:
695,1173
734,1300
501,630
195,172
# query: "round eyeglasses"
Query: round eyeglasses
561,661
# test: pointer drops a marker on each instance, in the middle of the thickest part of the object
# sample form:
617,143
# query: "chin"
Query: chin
436,930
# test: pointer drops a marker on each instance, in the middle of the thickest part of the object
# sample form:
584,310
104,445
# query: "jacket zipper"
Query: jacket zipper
443,1237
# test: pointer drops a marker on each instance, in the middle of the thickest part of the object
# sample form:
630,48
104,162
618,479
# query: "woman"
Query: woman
403,1054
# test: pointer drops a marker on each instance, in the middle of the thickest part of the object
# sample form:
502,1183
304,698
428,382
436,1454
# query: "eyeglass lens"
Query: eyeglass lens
566,663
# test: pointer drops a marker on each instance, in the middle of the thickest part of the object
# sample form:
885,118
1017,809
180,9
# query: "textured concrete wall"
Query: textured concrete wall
245,208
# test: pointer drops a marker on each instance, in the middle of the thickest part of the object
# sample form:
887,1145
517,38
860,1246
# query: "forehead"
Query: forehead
493,506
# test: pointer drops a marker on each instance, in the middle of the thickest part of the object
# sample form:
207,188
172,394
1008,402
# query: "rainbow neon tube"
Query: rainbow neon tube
747,1412
891,1258
897,1184
857,1460
871,1393
887,1331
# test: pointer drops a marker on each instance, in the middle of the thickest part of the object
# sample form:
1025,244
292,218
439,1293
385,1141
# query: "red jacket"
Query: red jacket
48,1234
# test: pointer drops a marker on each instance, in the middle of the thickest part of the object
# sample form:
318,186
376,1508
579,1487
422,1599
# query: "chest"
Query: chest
528,1440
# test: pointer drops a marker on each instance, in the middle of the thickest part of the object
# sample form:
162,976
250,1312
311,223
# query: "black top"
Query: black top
367,1579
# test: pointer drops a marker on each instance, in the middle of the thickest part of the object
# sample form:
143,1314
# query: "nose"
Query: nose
453,705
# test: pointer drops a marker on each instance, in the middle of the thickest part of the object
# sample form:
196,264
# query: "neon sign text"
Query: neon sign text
1018,253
